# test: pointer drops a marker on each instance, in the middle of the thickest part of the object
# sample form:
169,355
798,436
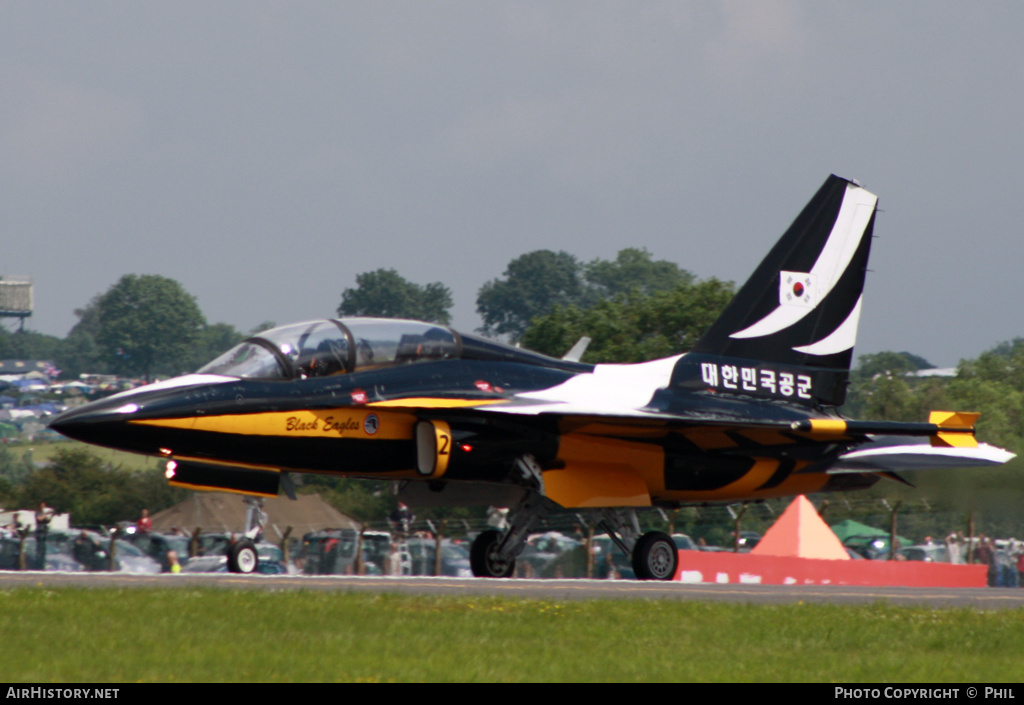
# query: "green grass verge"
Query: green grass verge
44,452
109,635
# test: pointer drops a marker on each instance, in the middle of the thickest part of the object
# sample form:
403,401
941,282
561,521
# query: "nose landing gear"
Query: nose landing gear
242,556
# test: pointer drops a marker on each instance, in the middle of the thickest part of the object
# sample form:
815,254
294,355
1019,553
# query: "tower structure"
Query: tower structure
16,298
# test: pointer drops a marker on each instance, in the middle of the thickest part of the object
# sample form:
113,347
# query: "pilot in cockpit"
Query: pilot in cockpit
322,362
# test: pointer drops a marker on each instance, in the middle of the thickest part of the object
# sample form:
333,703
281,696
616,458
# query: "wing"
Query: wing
719,450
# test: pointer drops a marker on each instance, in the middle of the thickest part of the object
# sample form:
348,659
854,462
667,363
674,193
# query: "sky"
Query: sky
264,153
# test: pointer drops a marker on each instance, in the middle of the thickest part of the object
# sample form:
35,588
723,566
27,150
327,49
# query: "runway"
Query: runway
976,598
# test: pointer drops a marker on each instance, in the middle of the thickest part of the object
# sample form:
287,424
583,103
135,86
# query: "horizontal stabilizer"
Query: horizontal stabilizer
918,456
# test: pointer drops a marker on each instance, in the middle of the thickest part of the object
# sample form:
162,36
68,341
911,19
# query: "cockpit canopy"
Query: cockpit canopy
335,346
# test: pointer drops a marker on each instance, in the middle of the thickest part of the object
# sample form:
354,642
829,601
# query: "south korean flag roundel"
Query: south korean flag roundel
798,289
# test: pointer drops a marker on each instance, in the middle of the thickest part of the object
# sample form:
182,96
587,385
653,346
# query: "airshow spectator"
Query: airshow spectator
84,551
1007,559
401,518
954,547
43,516
394,560
986,555
172,562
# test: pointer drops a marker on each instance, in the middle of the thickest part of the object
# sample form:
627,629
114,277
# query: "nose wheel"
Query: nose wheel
242,558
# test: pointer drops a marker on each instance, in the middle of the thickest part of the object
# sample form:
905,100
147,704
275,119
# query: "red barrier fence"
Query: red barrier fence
722,567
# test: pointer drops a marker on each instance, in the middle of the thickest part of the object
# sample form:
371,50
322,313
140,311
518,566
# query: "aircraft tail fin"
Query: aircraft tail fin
789,331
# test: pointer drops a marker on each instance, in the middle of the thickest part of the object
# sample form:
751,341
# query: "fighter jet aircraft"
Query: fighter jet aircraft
751,412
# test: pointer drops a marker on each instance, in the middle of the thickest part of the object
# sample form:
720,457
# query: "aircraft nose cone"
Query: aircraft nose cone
98,423
131,420
71,423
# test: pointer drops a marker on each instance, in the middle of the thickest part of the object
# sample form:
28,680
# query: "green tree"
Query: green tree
883,388
994,386
536,283
533,285
892,399
386,293
1004,364
265,325
214,340
79,482
889,363
633,327
12,469
79,352
365,501
633,270
29,345
148,325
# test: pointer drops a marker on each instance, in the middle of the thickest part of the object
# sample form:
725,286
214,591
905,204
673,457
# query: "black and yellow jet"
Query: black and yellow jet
749,413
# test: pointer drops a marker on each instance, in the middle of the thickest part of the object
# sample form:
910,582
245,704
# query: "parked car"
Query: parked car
748,539
56,560
376,547
608,557
76,551
931,553
685,543
454,558
543,550
131,559
328,552
156,545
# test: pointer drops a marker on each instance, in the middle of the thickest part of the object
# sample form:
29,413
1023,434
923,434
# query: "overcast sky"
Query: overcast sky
265,153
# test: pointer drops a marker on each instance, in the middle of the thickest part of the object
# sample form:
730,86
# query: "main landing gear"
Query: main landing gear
655,557
654,554
493,553
485,557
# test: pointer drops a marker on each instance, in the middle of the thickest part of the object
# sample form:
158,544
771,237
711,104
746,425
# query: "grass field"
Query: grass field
109,635
43,453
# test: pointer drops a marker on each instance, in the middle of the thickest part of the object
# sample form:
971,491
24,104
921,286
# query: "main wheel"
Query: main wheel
242,557
483,557
655,557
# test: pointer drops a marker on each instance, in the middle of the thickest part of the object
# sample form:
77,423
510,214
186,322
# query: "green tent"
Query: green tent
854,534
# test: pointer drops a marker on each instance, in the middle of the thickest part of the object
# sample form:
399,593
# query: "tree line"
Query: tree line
146,326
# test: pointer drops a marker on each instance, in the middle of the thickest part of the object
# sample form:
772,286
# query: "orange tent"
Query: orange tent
801,533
